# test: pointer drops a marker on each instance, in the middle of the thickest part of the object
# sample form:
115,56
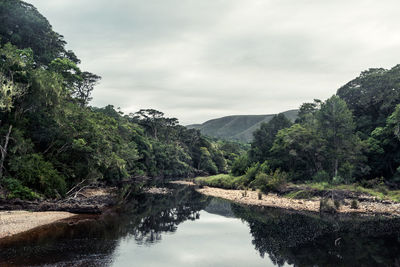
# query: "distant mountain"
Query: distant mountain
237,127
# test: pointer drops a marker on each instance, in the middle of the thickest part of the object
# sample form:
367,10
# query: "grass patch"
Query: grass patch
225,181
381,192
301,194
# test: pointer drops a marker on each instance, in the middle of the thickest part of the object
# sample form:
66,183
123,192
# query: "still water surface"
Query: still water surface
187,229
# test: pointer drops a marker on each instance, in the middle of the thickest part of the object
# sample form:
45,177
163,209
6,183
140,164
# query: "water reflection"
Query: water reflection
312,240
186,228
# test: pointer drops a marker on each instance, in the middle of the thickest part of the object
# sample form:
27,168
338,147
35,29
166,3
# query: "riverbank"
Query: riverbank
368,205
16,222
19,216
87,201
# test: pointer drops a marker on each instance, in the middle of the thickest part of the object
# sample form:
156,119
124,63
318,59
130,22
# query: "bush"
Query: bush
240,165
354,204
259,194
264,167
327,205
337,203
346,172
221,180
260,182
277,181
337,180
251,172
36,173
17,190
321,176
372,182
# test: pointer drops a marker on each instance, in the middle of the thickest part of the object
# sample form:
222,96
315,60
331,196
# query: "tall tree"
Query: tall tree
264,137
335,123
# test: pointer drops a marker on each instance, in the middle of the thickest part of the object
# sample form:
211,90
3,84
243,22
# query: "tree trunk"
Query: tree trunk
3,150
336,167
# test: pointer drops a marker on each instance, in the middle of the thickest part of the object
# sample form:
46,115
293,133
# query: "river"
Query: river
185,228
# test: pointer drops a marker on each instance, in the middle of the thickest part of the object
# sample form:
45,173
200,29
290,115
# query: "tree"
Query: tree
9,91
154,121
336,126
299,150
85,87
23,26
372,97
264,137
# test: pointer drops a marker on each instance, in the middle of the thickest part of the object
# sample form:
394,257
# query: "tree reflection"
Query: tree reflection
144,219
312,240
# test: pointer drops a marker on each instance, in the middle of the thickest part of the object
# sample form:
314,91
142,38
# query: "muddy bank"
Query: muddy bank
367,206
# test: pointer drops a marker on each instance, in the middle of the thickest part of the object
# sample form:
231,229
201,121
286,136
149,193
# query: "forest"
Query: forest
51,138
351,138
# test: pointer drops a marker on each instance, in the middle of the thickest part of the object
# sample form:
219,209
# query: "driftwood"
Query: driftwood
76,186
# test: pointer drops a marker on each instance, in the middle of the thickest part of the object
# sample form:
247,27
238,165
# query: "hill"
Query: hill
237,127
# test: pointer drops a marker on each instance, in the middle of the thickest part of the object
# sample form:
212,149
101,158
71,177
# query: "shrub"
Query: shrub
265,168
34,172
240,165
276,181
327,205
221,180
354,204
337,203
372,182
321,176
17,190
259,194
337,180
346,172
251,172
260,181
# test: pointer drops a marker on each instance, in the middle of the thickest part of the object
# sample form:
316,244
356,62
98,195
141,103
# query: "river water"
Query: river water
187,229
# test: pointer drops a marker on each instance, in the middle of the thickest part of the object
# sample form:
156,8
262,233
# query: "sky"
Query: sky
201,59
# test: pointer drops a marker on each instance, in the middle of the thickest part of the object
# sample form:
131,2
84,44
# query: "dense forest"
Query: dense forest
52,139
354,136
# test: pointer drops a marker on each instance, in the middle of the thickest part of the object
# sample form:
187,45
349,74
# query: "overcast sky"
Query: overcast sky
201,59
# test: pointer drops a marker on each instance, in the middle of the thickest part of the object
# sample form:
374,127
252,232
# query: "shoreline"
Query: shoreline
16,222
19,216
369,208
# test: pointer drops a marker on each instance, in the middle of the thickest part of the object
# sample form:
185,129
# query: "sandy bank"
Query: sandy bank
273,200
15,222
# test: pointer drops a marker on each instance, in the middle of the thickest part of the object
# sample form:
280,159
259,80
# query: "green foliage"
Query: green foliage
23,26
251,172
17,190
276,181
221,180
372,97
33,171
240,165
321,176
264,137
260,182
